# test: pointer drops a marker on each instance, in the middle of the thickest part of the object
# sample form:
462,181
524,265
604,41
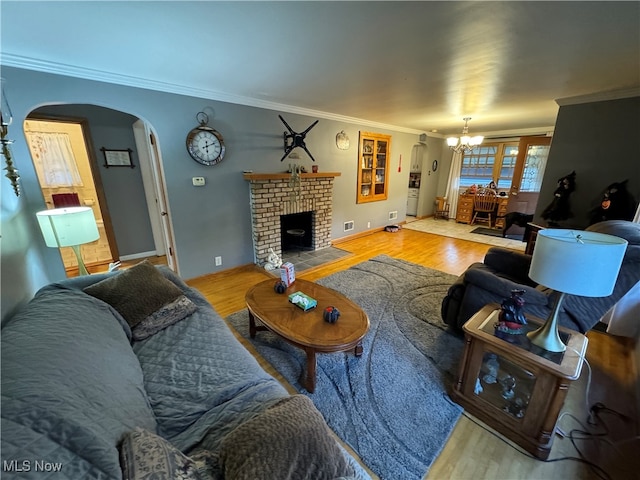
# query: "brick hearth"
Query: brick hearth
271,196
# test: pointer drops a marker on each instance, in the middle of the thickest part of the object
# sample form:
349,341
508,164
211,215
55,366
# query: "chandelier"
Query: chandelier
465,143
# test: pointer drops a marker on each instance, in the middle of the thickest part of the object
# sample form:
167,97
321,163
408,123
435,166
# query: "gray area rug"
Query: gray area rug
391,404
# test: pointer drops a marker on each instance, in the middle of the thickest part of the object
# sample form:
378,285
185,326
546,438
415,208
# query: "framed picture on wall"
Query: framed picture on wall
117,158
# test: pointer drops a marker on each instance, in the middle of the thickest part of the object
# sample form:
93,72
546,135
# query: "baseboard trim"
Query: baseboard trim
135,256
364,233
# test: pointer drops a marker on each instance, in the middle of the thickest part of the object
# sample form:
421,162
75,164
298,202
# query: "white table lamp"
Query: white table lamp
69,227
574,262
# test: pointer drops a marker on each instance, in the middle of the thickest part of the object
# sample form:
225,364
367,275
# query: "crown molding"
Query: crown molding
27,63
600,96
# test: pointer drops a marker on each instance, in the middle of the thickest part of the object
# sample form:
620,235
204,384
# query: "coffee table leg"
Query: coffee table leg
252,325
358,350
308,378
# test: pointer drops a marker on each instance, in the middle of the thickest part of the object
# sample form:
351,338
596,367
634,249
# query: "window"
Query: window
534,164
489,162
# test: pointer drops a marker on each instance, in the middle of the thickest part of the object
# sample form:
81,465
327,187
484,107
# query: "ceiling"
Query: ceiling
416,66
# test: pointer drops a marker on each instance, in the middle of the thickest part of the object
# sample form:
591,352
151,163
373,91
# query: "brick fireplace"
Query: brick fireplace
272,196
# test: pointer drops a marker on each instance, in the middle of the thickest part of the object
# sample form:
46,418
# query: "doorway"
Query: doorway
62,161
133,202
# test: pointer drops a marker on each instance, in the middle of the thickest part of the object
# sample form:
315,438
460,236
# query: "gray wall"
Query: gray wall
208,221
123,187
598,141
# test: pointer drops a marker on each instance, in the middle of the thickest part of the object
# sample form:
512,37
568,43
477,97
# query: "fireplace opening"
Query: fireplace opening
291,227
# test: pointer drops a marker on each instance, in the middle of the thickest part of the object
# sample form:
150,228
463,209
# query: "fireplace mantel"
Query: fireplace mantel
286,175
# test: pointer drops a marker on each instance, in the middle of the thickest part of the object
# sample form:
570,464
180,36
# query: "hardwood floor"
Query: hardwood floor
474,451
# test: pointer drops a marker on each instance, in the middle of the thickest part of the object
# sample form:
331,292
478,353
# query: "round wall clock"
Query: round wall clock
434,165
205,144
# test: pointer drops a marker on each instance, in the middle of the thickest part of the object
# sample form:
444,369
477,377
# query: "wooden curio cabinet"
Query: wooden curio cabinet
373,167
512,385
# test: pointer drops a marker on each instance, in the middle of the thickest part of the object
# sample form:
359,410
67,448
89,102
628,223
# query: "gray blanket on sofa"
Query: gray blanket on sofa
72,385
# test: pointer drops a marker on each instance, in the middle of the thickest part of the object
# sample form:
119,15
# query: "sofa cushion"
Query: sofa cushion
171,313
294,438
71,384
136,292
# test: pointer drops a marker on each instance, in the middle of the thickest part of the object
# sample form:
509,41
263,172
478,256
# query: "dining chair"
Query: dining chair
484,203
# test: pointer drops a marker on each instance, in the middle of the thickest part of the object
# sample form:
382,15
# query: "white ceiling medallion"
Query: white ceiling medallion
342,141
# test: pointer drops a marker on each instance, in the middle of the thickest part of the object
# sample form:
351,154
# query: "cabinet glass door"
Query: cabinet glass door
373,166
504,385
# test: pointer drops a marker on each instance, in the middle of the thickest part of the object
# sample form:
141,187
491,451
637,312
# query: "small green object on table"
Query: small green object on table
305,302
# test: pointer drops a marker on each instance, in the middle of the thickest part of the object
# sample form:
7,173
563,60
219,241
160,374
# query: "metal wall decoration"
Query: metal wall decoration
293,139
295,183
5,120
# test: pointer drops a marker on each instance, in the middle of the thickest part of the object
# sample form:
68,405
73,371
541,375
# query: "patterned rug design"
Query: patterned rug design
391,404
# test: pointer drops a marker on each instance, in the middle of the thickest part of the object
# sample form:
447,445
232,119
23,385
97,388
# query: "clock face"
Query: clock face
205,145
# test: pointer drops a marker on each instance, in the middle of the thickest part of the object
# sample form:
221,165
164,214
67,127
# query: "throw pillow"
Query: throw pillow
287,441
166,315
136,292
146,455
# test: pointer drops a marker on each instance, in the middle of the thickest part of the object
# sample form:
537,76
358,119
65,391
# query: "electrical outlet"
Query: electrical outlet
368,224
218,261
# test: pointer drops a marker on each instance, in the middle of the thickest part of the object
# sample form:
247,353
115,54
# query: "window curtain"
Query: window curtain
453,185
54,159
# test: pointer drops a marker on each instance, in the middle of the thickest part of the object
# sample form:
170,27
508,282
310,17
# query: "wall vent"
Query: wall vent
393,215
348,226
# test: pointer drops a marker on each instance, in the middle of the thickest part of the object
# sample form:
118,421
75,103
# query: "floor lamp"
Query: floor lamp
576,263
69,227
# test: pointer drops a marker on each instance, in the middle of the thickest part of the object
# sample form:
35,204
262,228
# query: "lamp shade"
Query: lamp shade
577,262
67,227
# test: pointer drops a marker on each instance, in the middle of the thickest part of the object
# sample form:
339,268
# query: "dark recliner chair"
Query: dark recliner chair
504,270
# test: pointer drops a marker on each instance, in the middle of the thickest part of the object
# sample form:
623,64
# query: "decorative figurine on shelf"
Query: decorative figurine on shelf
491,366
511,318
508,385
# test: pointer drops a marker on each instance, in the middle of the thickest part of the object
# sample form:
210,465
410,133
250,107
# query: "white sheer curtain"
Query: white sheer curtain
453,184
54,159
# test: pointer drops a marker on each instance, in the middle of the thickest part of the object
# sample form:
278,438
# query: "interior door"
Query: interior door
159,212
527,175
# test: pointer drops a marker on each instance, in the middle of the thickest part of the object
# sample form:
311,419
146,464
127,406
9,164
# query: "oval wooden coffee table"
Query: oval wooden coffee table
307,330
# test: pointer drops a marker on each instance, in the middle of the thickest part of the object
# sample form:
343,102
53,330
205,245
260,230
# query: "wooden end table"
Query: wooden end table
307,330
514,386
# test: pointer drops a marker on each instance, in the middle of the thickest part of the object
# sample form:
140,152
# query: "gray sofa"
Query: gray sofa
504,270
86,395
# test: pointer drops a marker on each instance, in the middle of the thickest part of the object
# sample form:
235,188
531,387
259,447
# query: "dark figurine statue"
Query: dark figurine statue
511,318
617,204
560,209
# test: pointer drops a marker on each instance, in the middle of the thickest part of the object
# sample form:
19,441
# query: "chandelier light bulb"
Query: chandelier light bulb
466,143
